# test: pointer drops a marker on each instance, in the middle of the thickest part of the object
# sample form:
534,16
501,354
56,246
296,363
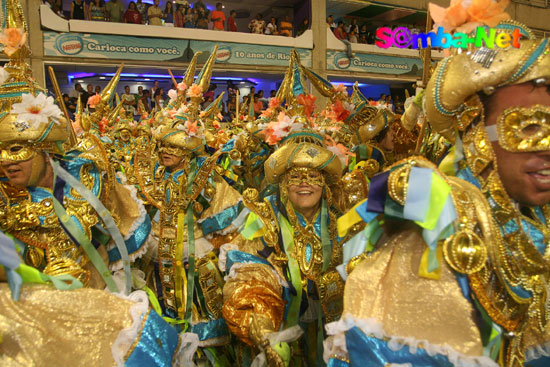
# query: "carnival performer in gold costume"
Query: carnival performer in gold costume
62,204
51,208
196,208
282,280
458,273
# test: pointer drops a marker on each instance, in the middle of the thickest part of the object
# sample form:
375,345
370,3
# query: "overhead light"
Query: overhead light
146,79
102,77
242,83
80,81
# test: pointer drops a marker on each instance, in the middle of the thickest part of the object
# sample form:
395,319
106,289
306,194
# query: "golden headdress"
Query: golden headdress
27,116
303,149
299,133
451,95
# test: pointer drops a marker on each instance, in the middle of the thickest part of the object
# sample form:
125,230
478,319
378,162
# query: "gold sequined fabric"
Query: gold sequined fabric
254,291
47,327
386,287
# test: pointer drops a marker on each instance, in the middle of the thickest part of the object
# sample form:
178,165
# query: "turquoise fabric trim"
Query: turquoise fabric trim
135,242
236,257
297,87
46,132
529,62
158,343
333,362
369,351
210,330
220,221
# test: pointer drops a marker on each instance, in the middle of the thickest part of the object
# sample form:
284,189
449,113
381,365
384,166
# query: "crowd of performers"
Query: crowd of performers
319,234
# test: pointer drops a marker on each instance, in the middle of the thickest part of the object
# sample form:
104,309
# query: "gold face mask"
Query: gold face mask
523,129
297,175
16,153
169,149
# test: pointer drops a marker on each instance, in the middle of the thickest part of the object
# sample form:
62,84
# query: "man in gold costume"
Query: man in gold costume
62,203
453,268
196,208
53,202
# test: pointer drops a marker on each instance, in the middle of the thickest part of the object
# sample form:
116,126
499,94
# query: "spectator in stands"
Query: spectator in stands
210,92
202,18
76,91
304,26
271,27
353,27
168,14
398,105
200,5
231,89
252,91
78,10
389,103
178,16
132,14
330,23
154,92
232,107
159,99
154,14
97,89
114,11
84,96
218,18
70,104
231,24
286,27
189,18
142,8
262,99
128,101
272,94
353,36
258,106
96,11
257,24
57,8
144,107
339,31
363,33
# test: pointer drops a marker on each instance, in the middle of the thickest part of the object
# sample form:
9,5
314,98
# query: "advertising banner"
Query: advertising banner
369,63
103,46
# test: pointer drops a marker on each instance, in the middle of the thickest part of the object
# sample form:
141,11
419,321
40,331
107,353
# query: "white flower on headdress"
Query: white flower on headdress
36,110
173,94
4,75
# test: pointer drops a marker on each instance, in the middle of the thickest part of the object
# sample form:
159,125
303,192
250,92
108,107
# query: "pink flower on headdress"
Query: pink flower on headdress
103,124
194,91
308,101
173,94
94,100
339,150
12,39
275,131
465,16
192,128
341,89
339,110
373,103
216,124
182,86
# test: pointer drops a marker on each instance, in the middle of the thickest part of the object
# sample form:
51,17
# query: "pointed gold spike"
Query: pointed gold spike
214,107
190,72
203,79
108,91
